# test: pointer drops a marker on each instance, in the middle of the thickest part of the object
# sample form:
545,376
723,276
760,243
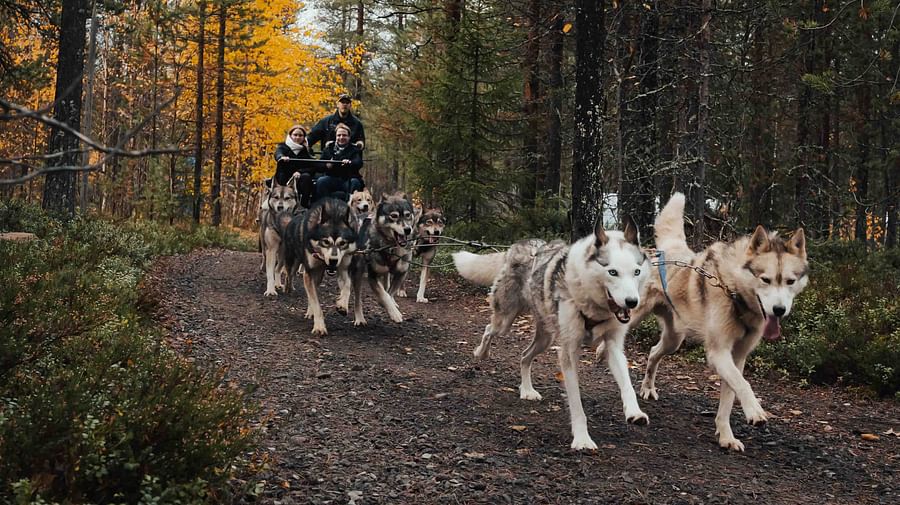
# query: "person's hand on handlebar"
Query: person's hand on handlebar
284,158
345,162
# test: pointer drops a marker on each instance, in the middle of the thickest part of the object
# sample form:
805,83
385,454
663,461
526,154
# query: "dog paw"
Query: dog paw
343,309
401,293
529,394
319,329
422,299
583,443
360,322
482,352
648,393
270,293
731,443
756,416
637,419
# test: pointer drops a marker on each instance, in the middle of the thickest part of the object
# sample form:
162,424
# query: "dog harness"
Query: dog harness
661,265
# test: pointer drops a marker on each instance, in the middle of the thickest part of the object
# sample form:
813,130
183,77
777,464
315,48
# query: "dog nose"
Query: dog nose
407,230
779,310
332,262
365,207
631,302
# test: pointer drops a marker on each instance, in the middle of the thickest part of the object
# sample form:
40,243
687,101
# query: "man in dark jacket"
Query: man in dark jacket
323,131
342,177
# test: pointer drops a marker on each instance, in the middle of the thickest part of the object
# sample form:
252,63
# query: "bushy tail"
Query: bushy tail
479,269
669,226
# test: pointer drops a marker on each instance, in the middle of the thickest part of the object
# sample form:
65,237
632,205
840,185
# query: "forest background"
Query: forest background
146,127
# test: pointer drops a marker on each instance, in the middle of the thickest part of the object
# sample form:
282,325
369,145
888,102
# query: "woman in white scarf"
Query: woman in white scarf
294,146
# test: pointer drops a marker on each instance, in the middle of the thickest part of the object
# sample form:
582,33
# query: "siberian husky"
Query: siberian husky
429,228
760,276
323,240
280,203
579,294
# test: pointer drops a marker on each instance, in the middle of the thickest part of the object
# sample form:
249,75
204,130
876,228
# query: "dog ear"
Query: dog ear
759,241
384,197
600,233
632,234
797,243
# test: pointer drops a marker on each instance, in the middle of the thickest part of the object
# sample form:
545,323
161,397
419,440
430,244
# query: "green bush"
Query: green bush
92,407
845,327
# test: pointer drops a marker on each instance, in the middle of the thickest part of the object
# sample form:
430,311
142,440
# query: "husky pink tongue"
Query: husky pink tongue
772,330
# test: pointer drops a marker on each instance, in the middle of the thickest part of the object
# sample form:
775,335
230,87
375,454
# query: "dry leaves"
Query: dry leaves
519,427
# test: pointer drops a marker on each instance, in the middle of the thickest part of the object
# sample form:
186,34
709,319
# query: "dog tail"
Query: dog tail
669,226
479,269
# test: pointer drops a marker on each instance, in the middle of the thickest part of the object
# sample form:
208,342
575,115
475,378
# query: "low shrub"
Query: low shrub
93,408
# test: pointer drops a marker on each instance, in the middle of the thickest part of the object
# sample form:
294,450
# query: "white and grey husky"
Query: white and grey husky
760,275
579,294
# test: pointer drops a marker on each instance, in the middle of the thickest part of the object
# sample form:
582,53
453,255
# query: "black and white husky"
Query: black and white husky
322,240
279,205
389,245
579,294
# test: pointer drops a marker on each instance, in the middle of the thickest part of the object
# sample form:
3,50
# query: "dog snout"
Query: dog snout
332,262
631,302
365,207
407,230
779,310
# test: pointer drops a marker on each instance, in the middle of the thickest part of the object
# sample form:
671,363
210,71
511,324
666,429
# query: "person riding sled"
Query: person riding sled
343,176
325,129
295,147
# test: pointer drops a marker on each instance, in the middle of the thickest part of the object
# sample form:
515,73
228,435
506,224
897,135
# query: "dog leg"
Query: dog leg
618,367
358,318
401,291
539,343
669,342
343,301
423,278
385,300
315,309
571,333
499,325
271,272
725,366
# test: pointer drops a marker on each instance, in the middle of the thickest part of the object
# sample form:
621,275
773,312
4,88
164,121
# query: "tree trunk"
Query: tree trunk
198,130
220,112
531,99
587,184
554,59
59,187
861,192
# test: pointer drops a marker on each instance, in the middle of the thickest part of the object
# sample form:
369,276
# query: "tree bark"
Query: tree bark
532,177
220,113
198,130
59,187
587,184
554,59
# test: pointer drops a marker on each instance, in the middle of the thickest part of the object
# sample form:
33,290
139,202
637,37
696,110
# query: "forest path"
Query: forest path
400,413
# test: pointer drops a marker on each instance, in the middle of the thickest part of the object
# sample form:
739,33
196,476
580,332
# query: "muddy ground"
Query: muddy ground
400,413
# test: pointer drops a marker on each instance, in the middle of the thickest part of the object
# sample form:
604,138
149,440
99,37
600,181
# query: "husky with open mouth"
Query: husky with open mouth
389,244
429,229
759,276
323,240
579,294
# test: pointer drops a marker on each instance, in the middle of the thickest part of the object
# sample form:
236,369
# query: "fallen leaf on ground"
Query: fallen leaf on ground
519,427
796,412
523,451
892,432
560,377
870,437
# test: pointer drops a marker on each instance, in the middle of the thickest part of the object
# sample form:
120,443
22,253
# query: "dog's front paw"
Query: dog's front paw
648,393
309,314
270,293
731,443
360,322
583,443
343,309
401,293
529,394
638,418
319,329
756,416
422,299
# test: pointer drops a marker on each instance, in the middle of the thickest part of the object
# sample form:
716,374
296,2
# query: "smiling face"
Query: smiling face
778,273
362,201
298,136
342,136
616,258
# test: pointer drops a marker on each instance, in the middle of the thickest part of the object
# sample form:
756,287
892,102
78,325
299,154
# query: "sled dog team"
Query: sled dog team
357,240
588,293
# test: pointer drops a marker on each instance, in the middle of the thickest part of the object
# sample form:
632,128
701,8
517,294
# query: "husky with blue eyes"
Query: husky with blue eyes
579,294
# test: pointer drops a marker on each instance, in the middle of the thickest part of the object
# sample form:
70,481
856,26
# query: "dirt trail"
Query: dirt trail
399,413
